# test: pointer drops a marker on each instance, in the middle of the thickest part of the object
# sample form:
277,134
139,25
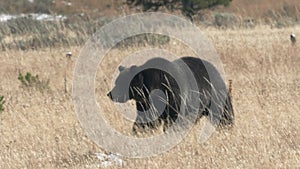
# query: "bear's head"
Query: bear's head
137,82
128,85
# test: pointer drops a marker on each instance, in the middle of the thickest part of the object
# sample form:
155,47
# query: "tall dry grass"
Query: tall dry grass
40,130
258,9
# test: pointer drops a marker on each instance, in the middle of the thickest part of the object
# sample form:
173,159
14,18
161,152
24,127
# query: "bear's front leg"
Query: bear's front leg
145,127
169,117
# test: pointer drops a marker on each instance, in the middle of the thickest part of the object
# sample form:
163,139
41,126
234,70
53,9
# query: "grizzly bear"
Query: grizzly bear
159,86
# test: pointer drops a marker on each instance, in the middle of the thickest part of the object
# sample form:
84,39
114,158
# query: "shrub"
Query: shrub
144,40
2,103
23,6
226,20
36,34
31,81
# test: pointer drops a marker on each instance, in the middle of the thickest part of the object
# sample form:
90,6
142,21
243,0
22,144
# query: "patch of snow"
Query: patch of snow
35,16
109,160
31,1
67,3
47,17
4,17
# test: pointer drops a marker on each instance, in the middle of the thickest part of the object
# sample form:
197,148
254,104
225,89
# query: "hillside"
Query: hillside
256,8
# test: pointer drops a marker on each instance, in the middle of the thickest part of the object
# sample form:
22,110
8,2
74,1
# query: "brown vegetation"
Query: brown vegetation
40,130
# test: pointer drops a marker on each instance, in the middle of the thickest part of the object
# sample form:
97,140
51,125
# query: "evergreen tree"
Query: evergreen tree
188,7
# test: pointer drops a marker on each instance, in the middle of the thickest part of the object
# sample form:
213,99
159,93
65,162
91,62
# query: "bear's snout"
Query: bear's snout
116,96
109,95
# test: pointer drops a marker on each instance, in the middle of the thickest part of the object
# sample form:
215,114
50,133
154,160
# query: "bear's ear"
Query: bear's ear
134,67
121,68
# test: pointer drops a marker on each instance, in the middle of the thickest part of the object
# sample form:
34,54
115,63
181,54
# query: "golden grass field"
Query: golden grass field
41,129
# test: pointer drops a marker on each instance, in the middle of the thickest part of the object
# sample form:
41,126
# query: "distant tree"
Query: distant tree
188,7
